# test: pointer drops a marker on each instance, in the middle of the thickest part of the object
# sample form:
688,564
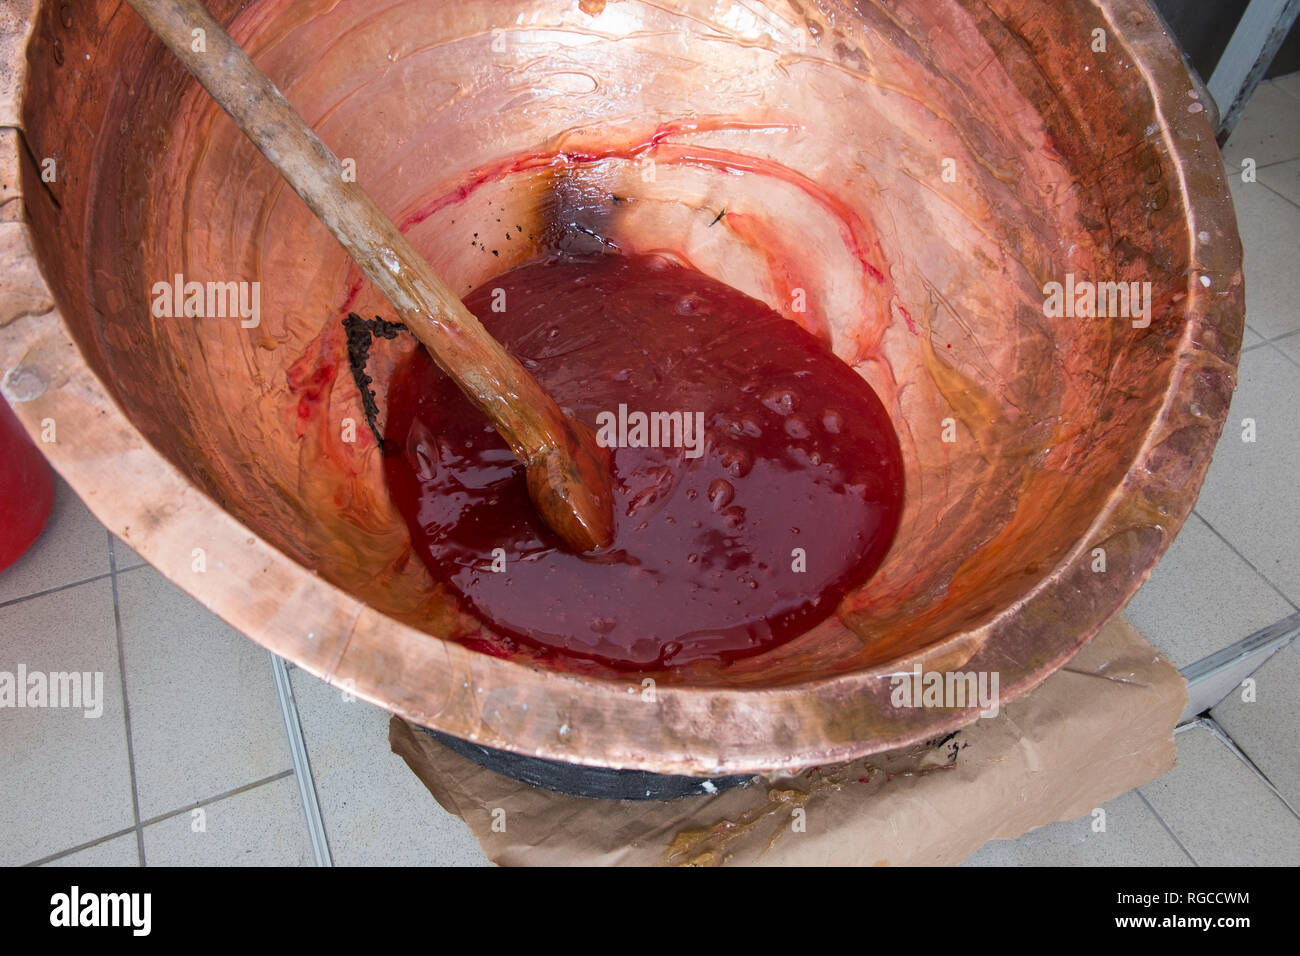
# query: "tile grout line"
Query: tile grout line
1294,333
1279,87
79,847
1221,732
320,848
70,584
1285,199
1276,162
1231,547
126,706
1172,835
161,817
242,788
1272,343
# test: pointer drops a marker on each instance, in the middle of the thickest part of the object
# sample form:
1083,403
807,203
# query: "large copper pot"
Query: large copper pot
921,170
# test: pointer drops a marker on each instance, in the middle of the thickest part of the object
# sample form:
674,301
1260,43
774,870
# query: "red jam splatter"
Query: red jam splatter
727,543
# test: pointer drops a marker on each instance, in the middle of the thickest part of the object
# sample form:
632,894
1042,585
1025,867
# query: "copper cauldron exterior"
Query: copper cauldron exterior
917,174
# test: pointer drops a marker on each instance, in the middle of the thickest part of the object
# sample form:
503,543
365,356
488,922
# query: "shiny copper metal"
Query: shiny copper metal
822,129
567,480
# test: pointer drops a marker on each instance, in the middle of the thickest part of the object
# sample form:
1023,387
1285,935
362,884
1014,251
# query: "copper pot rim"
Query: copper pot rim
294,613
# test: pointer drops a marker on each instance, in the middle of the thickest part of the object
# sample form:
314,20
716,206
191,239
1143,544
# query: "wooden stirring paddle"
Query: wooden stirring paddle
568,479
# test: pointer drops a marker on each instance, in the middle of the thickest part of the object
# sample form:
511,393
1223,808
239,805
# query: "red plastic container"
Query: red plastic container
26,489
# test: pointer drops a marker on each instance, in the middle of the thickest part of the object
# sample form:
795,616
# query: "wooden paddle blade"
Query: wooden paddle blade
570,485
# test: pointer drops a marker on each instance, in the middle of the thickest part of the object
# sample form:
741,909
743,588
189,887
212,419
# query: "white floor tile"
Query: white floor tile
1249,494
1267,728
204,715
1289,345
1220,811
66,777
1202,597
1133,836
119,851
262,826
1267,131
376,811
1289,84
1283,179
1270,228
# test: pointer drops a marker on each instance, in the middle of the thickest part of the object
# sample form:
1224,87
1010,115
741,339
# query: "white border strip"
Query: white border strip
320,848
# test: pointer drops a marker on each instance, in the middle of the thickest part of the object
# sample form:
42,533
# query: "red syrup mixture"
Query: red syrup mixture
726,544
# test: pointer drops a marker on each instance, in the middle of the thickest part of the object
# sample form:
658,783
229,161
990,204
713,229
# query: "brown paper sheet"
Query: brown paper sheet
1095,729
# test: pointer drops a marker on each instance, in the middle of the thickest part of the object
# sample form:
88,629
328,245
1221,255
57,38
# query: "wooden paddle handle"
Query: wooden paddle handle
567,475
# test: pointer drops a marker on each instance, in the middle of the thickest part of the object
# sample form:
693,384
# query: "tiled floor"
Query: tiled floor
189,762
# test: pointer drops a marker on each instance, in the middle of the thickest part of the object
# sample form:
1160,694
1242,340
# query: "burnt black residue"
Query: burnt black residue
574,217
949,744
576,214
361,332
